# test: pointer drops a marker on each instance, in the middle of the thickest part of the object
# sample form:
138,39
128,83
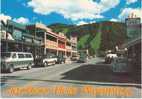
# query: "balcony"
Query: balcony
68,48
62,46
74,49
51,44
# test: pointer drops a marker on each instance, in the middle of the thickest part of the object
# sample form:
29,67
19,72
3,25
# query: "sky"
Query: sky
76,12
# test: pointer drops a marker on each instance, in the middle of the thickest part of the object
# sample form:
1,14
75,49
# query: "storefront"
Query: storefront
17,38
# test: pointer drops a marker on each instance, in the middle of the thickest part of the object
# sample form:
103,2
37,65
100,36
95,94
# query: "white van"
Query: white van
14,60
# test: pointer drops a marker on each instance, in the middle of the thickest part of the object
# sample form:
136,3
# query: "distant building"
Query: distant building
73,40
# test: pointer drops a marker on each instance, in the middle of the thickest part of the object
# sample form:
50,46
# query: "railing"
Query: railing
61,46
74,49
51,44
68,47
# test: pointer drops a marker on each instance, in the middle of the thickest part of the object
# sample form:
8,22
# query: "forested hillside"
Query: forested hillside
97,37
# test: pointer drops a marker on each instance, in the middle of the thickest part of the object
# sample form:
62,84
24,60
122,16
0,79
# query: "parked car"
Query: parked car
46,60
13,60
74,58
109,57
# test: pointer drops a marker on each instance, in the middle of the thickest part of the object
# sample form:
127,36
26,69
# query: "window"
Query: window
5,55
28,55
49,37
14,55
21,55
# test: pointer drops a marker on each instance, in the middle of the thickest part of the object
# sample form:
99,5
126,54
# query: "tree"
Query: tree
83,41
95,43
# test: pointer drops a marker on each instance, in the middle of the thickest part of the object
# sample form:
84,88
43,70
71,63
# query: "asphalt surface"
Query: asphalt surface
70,80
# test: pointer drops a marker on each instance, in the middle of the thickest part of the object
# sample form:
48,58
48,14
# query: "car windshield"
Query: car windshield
5,55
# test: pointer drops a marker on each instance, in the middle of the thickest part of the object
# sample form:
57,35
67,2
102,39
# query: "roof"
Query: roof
17,25
132,42
18,52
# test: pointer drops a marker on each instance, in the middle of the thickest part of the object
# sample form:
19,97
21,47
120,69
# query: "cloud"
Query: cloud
4,17
108,4
73,9
130,1
127,11
21,20
114,20
84,22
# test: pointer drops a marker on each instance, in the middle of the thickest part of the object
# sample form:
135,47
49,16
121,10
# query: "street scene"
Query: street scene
70,50
76,75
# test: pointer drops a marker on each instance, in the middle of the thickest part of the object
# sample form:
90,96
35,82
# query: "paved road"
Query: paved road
90,79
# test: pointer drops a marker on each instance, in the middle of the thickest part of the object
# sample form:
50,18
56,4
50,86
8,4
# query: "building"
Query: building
73,40
68,48
133,27
49,39
55,43
61,41
15,37
37,39
133,45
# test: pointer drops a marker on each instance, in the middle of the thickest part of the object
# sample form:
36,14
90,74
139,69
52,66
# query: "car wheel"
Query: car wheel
45,64
29,67
11,69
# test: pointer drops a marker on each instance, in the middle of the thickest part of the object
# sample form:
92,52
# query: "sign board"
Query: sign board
17,34
133,28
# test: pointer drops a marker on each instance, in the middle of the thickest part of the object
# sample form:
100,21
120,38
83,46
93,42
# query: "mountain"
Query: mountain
64,28
97,37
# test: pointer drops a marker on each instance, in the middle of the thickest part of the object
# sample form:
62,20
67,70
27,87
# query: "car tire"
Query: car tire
29,67
45,64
